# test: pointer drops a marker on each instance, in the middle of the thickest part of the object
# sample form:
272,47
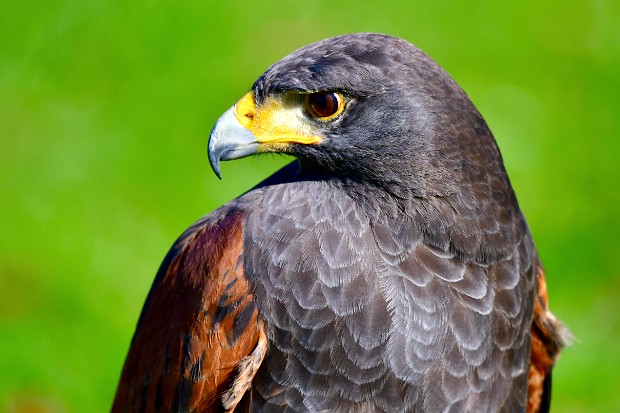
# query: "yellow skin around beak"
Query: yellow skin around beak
247,129
277,122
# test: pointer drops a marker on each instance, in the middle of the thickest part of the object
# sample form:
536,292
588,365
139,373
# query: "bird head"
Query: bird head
363,107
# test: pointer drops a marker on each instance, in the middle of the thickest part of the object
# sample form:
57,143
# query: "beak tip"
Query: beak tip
214,161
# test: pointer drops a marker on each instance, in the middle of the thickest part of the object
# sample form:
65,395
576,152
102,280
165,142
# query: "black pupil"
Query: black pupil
323,104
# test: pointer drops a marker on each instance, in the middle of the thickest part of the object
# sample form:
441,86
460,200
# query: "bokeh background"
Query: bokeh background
105,111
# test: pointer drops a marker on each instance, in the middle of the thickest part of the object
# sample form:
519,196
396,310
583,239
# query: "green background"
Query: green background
105,111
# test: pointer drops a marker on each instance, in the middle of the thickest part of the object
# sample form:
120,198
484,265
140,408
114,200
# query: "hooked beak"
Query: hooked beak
246,129
230,140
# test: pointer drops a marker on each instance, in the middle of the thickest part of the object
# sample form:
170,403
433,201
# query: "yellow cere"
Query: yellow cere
278,122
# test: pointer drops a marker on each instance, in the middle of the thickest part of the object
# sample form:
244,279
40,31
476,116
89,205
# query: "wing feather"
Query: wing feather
548,337
197,341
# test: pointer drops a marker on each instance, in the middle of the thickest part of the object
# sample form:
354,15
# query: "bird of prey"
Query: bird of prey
387,269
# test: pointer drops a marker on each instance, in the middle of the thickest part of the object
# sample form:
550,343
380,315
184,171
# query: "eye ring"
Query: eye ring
324,105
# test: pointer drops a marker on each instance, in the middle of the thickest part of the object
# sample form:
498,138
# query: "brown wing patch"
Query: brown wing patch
197,325
548,337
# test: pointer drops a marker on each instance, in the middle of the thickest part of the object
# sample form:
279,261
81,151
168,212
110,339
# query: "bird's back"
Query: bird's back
362,314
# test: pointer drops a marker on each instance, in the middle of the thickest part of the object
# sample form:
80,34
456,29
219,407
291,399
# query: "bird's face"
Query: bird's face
367,107
284,122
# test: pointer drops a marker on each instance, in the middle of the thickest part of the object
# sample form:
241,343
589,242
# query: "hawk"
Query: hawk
387,269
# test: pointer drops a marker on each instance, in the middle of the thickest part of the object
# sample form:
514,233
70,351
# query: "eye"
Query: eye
324,105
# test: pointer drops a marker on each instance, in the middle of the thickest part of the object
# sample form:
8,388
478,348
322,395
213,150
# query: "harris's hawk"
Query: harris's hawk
388,269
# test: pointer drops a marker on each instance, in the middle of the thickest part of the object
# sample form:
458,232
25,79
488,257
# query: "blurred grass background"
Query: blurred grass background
105,111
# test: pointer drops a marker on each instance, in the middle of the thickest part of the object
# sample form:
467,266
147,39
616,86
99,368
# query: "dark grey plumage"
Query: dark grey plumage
393,268
360,317
409,132
388,269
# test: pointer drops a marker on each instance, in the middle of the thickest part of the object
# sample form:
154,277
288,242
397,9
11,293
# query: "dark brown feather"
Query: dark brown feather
198,324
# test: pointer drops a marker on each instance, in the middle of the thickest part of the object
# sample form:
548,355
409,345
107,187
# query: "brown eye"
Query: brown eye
324,105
